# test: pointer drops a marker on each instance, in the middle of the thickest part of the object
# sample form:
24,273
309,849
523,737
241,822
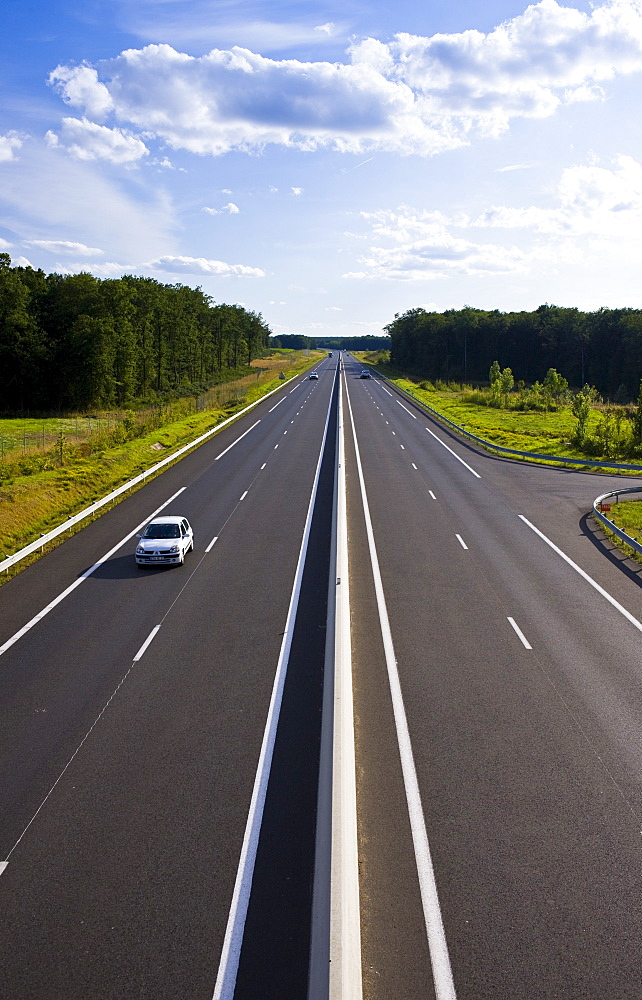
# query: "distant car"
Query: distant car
313,375
165,540
329,354
365,374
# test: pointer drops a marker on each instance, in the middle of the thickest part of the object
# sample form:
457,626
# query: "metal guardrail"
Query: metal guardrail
508,451
28,550
622,535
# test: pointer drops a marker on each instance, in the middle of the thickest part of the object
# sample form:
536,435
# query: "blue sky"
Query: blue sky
329,164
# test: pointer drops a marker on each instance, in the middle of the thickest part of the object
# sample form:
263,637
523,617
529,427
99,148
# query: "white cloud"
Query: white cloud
9,145
424,248
5,245
87,141
52,193
21,262
414,94
230,208
202,265
81,88
328,29
597,200
296,191
64,246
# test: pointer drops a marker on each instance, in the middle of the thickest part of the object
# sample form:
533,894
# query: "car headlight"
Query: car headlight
174,548
140,551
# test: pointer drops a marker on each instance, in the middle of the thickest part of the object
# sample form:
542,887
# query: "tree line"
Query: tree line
299,342
601,348
72,342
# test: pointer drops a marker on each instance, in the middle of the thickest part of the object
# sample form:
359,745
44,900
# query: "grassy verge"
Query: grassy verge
627,516
546,433
31,505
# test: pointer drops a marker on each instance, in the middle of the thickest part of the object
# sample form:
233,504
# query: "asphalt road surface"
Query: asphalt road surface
134,712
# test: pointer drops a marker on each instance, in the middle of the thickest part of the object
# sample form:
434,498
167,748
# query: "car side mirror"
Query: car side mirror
139,536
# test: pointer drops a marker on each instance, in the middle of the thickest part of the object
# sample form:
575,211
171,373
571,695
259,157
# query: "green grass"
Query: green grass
31,505
546,433
627,515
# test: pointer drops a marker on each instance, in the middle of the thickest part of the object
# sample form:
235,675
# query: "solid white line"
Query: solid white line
407,410
441,970
453,453
243,497
432,494
279,402
585,576
521,635
345,927
149,639
83,576
231,951
461,541
239,438
3,865
212,543
413,465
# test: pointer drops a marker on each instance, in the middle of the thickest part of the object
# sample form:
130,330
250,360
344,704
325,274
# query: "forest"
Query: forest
70,342
299,342
601,348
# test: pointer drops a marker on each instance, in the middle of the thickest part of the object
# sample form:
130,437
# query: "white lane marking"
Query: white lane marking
296,387
385,390
407,410
262,467
275,447
239,438
521,635
402,446
148,640
88,572
395,433
584,575
453,453
277,404
413,465
336,932
212,543
432,494
461,541
387,421
243,497
3,865
231,951
285,432
441,970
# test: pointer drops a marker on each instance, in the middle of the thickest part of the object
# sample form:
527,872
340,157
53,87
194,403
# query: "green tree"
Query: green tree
581,409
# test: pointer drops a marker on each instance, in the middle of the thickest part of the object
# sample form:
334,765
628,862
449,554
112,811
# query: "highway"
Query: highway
148,714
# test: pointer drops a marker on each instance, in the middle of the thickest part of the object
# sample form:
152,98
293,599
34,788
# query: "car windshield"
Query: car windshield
162,531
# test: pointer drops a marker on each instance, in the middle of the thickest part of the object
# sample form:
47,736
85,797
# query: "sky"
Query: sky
329,164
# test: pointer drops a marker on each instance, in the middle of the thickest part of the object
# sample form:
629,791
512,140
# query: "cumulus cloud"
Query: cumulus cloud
88,141
425,248
230,208
413,94
202,265
66,247
605,201
9,145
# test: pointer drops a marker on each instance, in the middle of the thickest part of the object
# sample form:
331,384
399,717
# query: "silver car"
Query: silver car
165,540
